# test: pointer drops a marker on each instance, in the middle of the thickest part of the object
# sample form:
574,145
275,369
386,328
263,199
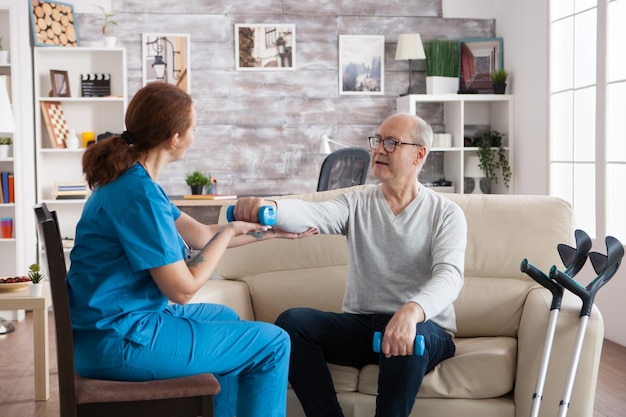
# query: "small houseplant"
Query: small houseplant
107,19
197,180
442,66
498,78
5,147
492,156
36,278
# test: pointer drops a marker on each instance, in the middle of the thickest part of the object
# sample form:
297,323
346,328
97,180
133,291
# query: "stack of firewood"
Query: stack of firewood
54,24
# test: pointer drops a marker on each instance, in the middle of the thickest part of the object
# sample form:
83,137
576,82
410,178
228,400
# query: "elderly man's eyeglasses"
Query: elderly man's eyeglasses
389,145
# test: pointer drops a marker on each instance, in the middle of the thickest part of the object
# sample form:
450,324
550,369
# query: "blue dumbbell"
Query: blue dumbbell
267,215
419,343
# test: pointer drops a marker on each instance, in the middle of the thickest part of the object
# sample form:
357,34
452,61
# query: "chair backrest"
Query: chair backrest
48,226
344,168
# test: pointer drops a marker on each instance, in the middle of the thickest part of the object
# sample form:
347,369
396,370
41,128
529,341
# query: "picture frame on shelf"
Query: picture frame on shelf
56,124
265,47
361,64
479,57
166,58
52,23
60,82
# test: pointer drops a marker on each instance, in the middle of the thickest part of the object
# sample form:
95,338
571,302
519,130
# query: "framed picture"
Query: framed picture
60,84
166,58
53,23
54,118
478,58
265,47
361,64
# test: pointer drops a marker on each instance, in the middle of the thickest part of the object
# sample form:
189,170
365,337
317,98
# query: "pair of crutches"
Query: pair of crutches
605,266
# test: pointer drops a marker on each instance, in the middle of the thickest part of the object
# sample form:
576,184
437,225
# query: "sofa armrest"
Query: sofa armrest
531,338
234,294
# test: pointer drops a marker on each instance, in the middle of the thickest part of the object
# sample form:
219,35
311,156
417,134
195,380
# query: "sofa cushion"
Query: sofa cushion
483,367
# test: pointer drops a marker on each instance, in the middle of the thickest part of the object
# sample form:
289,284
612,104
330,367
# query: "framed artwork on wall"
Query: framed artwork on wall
361,64
478,58
52,23
265,47
166,58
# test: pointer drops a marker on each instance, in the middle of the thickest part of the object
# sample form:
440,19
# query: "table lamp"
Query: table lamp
472,170
325,145
7,124
409,48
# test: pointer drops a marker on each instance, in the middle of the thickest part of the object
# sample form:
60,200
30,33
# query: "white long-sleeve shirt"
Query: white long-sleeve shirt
417,255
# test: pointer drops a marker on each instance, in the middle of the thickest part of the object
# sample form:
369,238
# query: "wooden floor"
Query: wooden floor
17,386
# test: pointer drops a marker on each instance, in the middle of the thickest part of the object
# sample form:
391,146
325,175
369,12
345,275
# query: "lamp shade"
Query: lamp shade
324,145
7,123
409,47
472,168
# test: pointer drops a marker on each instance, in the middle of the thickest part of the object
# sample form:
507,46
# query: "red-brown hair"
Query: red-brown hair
156,113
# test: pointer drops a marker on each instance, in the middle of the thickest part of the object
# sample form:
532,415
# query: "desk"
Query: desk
205,211
20,300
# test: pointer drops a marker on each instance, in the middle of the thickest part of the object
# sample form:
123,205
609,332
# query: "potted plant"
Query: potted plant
5,147
36,278
4,55
492,156
442,66
498,78
107,19
196,180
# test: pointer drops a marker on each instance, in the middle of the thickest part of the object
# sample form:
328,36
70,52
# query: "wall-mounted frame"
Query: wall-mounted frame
478,58
265,47
52,23
166,58
361,64
60,82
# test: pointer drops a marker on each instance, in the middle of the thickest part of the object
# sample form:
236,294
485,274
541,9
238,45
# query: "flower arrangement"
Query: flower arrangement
34,273
212,189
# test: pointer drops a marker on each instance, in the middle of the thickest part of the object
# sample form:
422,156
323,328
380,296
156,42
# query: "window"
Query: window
587,100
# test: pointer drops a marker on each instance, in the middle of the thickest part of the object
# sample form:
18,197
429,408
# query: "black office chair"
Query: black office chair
344,168
187,396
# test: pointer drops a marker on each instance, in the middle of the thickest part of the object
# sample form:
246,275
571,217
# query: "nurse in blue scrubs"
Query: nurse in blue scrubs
131,274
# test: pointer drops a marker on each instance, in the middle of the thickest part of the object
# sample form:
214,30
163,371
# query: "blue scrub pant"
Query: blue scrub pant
250,359
346,339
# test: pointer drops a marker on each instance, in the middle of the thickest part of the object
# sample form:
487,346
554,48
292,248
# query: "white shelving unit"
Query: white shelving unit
18,252
460,113
84,114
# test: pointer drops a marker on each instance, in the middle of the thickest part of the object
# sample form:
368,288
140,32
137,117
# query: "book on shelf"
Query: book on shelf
70,191
209,197
7,186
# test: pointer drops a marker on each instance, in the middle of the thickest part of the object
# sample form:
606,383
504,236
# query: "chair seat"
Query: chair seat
89,391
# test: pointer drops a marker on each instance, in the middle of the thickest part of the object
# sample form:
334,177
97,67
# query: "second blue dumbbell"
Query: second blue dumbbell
418,350
267,215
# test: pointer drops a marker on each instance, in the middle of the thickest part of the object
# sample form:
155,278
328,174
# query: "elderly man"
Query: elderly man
405,269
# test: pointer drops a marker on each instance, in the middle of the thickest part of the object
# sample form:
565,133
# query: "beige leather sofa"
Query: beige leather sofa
502,314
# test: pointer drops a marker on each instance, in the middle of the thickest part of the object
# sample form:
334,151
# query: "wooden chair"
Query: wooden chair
344,168
180,397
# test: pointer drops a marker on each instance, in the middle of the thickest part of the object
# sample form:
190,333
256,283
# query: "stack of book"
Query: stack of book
70,191
7,188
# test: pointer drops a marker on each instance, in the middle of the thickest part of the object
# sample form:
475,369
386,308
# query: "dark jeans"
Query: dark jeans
346,339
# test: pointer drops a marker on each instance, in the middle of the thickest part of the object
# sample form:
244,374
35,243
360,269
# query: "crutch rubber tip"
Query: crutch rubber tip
417,351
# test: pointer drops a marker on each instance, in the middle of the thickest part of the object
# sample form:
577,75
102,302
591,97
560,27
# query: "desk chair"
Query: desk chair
180,397
344,168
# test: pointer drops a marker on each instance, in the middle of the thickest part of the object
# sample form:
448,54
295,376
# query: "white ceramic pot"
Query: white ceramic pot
4,57
5,151
109,41
35,290
442,85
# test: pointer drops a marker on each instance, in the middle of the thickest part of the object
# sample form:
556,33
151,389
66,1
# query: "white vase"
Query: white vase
109,41
4,57
71,141
35,290
442,85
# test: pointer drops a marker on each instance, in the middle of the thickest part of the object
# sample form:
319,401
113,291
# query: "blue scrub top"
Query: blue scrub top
126,228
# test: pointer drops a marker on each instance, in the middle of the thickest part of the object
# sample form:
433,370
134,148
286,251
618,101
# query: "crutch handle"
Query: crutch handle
554,287
586,294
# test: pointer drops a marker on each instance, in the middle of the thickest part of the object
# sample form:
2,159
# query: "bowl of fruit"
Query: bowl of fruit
13,283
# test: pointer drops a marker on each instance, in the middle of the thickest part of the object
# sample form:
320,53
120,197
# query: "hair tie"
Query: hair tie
128,137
